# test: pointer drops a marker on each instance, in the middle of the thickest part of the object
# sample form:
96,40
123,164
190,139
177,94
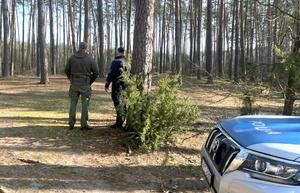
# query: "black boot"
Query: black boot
86,128
118,124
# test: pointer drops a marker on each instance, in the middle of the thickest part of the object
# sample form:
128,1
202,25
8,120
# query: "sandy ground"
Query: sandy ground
39,154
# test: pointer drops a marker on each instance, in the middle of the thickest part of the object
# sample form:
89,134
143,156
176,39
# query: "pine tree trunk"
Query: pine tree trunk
71,21
29,36
33,39
86,21
5,39
242,54
209,42
79,22
199,39
1,50
64,30
142,43
108,16
220,40
237,49
121,22
161,53
52,46
23,39
12,37
192,23
178,39
41,42
101,38
128,4
230,67
116,25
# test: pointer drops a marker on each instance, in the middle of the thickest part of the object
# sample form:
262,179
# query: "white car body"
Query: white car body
253,154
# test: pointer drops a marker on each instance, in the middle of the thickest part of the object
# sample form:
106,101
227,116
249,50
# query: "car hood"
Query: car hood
273,135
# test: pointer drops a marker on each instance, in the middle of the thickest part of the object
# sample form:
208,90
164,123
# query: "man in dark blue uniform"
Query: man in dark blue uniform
116,77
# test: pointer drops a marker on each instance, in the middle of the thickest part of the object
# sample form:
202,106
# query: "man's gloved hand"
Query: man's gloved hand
107,87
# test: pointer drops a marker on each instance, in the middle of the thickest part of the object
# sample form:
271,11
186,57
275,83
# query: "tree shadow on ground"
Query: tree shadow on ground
117,178
101,140
60,139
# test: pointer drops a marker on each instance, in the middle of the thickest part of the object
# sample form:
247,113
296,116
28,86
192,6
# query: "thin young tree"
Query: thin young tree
101,38
198,54
52,46
242,41
108,32
208,56
128,11
220,40
178,39
236,49
71,21
116,25
23,37
13,36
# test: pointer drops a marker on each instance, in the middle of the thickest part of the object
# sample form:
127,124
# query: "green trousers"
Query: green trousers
74,93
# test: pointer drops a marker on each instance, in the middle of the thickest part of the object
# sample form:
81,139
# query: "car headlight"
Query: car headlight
271,170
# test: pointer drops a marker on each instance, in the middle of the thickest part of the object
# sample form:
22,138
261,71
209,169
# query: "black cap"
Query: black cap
121,50
83,45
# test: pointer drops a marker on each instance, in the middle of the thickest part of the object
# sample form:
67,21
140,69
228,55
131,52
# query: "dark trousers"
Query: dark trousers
74,94
116,90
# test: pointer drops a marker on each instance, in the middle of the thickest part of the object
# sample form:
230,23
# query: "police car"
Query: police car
253,154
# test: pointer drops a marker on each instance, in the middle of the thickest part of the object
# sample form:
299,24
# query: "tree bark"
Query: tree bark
198,57
121,22
230,67
23,38
5,39
41,42
128,27
242,53
52,44
79,22
162,43
178,39
108,16
220,40
209,43
101,38
86,21
116,25
142,44
237,49
12,37
71,21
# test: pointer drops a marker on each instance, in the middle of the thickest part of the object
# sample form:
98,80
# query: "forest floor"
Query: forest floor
39,153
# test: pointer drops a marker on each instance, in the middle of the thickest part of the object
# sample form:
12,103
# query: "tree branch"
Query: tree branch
279,9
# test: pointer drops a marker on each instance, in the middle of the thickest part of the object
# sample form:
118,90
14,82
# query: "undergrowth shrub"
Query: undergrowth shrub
248,95
152,118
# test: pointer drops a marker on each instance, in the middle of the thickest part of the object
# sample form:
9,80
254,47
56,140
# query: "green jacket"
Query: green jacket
81,69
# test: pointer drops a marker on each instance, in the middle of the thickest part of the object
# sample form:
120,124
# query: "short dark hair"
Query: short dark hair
121,50
83,45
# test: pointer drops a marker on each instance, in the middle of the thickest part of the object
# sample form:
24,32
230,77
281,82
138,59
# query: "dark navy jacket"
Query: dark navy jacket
115,73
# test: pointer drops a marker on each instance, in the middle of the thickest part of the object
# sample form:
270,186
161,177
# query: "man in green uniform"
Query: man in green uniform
82,71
